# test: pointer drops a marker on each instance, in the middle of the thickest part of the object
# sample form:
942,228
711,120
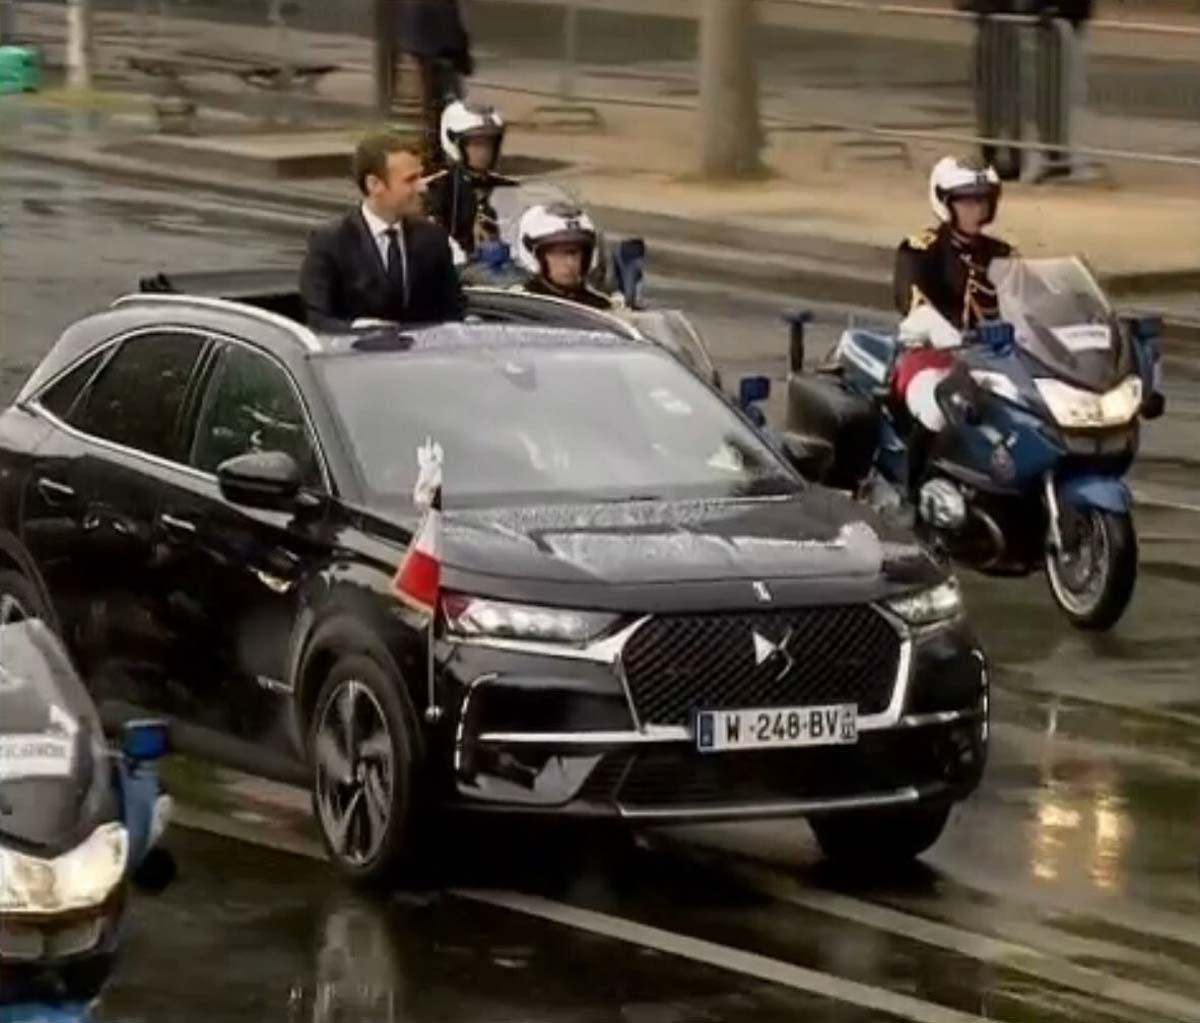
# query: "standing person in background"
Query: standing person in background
997,70
432,33
1062,72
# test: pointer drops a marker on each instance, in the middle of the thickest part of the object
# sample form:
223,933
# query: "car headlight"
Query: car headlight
475,616
83,878
937,604
1073,407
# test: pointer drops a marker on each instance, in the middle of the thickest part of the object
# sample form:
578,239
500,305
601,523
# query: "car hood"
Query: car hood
817,536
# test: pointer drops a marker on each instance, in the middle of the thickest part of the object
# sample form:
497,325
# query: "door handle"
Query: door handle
53,491
177,525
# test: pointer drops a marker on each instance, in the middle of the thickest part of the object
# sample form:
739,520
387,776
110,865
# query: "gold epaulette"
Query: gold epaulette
922,241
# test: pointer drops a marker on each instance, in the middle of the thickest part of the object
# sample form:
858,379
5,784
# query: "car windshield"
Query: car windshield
524,424
1061,317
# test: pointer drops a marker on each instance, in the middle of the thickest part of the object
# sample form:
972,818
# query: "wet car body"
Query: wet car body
236,619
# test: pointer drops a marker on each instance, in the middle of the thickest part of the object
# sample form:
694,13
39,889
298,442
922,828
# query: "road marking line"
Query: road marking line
1021,958
723,957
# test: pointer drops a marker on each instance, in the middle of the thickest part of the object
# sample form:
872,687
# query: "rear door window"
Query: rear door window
62,398
136,399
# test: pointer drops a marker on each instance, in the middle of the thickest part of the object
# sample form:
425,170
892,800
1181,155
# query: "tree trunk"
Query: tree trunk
731,138
80,45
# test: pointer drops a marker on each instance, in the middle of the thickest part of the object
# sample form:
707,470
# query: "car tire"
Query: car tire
26,599
367,762
879,839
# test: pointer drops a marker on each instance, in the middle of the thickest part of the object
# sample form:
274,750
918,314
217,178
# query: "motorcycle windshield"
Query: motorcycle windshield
1063,320
56,785
675,332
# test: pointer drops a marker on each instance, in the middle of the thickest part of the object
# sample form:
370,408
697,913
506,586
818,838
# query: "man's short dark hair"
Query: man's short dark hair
371,156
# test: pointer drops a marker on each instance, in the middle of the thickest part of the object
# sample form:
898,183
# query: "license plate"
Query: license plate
776,728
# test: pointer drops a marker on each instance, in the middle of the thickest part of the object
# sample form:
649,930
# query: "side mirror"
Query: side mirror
629,270
146,740
797,321
752,390
261,479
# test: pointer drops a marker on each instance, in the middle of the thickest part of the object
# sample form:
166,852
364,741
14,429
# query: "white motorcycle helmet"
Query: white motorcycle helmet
953,178
462,121
554,224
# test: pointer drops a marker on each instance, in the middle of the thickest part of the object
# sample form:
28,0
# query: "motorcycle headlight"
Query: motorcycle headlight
937,604
1079,409
83,878
478,617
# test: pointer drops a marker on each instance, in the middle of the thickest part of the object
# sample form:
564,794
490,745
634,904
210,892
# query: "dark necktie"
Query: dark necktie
396,270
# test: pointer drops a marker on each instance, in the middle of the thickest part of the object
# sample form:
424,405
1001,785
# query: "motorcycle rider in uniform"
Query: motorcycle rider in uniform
556,244
459,197
946,268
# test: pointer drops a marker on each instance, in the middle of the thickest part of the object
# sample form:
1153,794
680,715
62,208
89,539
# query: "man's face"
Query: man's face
479,153
970,214
399,194
564,266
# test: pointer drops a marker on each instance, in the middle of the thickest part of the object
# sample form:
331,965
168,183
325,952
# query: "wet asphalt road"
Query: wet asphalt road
1067,889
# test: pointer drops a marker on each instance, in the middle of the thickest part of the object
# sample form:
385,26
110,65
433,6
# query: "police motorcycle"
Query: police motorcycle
79,825
1042,412
618,270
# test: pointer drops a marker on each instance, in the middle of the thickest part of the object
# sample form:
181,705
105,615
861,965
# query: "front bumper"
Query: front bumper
557,732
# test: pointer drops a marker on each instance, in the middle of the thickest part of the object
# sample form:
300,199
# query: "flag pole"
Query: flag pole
433,710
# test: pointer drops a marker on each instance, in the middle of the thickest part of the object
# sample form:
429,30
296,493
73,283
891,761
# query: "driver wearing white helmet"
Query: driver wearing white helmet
945,267
556,244
459,197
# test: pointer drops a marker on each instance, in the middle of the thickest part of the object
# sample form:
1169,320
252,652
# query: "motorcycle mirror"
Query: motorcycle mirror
752,390
146,740
157,871
494,254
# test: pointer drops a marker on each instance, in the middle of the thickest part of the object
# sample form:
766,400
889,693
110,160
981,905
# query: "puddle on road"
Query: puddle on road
1050,714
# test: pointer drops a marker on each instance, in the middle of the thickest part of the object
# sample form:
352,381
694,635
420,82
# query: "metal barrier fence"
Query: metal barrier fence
1036,94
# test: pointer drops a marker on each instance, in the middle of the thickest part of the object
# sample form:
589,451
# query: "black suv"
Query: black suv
646,613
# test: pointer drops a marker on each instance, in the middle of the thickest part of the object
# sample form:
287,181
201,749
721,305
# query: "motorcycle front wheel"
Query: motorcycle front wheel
1093,580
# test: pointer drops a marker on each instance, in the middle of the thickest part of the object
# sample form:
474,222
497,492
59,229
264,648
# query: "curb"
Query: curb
806,266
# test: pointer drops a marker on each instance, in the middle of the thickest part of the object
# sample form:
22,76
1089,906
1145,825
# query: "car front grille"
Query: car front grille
678,664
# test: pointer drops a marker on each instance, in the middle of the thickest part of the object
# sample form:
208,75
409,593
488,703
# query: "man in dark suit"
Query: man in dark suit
383,260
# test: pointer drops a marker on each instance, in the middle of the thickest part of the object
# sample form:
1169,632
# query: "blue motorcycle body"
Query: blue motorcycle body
1042,420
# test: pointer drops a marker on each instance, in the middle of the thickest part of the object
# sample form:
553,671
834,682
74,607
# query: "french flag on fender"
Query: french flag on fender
418,579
